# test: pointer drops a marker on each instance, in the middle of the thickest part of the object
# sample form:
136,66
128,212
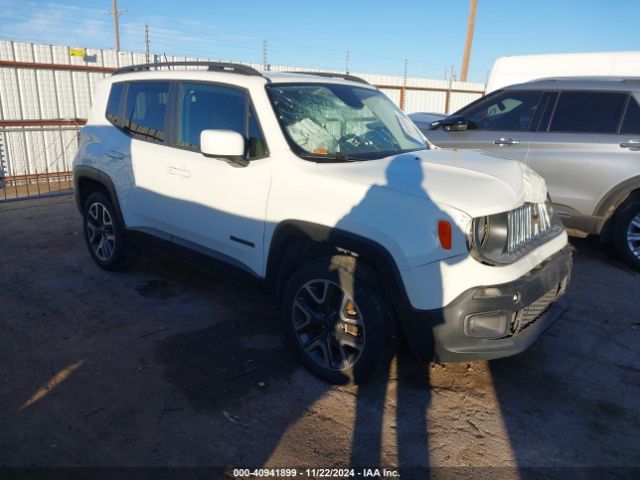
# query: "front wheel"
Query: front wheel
337,320
105,235
627,232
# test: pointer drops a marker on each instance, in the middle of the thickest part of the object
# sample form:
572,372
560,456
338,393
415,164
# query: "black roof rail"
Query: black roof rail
346,76
211,66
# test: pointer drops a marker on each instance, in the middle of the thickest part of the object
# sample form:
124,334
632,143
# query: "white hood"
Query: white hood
473,182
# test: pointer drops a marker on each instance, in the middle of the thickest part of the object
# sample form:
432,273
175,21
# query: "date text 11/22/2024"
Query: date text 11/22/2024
315,472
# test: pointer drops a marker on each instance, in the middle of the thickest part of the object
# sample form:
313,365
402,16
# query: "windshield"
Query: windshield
342,122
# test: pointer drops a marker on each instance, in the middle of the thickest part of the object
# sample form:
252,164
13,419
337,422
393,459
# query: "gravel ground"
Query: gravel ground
165,366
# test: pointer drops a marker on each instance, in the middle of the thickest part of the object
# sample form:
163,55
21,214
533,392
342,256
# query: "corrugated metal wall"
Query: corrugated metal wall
41,94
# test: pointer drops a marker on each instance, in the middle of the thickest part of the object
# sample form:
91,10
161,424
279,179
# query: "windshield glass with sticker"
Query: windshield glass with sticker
342,122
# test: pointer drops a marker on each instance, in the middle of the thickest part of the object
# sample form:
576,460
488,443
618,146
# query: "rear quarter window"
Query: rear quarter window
113,104
631,121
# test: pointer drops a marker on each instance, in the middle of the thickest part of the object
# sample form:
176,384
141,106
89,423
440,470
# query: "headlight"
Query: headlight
489,237
504,237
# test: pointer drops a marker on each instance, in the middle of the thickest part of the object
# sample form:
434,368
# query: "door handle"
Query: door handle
115,154
631,145
179,171
502,141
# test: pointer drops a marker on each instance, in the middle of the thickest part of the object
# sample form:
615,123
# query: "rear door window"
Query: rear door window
588,112
508,111
145,110
631,121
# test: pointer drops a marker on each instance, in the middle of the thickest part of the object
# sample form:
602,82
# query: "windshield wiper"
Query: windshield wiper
334,157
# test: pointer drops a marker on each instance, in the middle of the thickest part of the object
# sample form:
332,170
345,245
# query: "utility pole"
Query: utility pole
403,92
347,63
147,50
265,56
116,16
464,70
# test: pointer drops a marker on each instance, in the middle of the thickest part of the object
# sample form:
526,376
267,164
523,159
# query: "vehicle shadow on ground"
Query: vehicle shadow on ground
560,400
218,366
592,248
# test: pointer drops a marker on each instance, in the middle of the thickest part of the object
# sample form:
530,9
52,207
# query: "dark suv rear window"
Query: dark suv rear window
588,112
113,105
146,108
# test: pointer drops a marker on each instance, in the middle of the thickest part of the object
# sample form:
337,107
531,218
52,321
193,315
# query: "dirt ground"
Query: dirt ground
165,366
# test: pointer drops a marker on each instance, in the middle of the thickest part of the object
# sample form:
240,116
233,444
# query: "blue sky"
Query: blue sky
379,34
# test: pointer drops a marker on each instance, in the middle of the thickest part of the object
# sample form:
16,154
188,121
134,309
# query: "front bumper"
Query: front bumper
532,303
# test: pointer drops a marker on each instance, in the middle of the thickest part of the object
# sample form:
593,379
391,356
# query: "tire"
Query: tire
337,320
105,235
626,232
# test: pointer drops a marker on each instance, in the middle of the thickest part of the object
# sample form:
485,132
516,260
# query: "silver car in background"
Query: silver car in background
423,120
582,134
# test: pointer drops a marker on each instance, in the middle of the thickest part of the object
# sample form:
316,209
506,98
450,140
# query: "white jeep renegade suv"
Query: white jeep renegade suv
317,189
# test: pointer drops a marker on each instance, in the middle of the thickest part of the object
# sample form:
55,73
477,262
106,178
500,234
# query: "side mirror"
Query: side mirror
436,124
454,123
225,144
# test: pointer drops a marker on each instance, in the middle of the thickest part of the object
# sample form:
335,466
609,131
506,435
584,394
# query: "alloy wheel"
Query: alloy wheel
328,324
100,231
633,235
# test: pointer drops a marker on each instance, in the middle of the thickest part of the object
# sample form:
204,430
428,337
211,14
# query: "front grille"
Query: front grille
529,314
537,308
526,224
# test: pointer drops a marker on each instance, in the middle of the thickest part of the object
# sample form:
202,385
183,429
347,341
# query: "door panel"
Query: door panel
581,168
216,204
142,161
148,199
503,144
219,206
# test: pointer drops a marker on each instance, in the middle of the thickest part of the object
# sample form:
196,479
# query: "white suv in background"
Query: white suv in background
318,189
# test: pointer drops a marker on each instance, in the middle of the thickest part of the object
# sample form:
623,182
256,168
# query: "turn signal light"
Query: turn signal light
444,234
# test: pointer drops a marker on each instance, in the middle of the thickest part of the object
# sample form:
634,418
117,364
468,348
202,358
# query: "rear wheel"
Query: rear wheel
627,232
337,320
105,235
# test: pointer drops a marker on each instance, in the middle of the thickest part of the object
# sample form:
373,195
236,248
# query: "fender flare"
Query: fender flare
616,197
285,254
81,172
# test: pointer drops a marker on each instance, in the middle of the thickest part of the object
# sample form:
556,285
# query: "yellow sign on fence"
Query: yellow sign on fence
77,52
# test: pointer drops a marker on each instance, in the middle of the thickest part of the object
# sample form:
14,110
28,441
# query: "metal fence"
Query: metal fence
46,91
47,152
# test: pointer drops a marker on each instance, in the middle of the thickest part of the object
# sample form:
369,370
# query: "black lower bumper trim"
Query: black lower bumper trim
440,333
